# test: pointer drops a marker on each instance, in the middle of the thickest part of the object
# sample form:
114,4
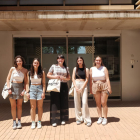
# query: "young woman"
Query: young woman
17,90
100,87
36,91
80,78
59,100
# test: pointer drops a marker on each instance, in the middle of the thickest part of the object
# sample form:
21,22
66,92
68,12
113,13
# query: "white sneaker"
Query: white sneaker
78,122
104,121
33,125
88,124
39,124
14,125
54,124
63,122
19,124
100,120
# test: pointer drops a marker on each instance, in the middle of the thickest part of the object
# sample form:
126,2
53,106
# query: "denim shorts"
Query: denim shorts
36,92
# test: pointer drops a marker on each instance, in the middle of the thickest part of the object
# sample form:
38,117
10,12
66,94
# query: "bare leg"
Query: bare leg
97,97
104,98
13,108
19,108
40,109
33,109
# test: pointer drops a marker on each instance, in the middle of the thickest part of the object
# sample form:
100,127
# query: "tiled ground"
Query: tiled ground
123,124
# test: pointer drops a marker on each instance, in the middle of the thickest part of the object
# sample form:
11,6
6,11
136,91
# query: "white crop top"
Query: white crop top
98,73
18,76
35,80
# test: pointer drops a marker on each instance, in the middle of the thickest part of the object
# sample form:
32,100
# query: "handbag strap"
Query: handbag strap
54,70
11,79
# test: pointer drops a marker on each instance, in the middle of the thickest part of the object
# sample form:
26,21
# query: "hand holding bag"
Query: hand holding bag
25,97
5,92
71,90
53,84
25,94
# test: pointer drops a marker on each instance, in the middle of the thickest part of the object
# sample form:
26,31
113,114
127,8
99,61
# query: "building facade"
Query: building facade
44,29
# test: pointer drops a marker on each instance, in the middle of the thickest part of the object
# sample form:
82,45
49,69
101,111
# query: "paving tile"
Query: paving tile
123,124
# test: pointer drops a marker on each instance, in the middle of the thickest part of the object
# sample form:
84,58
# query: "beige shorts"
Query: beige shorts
99,86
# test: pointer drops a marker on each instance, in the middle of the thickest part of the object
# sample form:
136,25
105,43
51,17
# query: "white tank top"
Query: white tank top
18,76
98,74
35,80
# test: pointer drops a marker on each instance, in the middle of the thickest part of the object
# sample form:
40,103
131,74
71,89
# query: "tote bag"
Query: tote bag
53,84
5,92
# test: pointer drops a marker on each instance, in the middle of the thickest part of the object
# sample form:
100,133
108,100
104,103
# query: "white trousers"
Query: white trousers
81,115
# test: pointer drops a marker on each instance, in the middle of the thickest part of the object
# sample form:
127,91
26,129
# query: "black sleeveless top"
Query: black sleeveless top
81,74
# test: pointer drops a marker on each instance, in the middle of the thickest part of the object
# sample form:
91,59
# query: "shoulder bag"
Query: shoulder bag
5,92
53,84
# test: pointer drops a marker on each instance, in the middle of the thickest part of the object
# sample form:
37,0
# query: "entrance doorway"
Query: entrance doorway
47,49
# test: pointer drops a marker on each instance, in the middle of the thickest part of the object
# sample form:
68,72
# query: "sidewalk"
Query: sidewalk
123,124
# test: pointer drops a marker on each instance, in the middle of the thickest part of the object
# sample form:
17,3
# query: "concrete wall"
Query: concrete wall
6,59
130,48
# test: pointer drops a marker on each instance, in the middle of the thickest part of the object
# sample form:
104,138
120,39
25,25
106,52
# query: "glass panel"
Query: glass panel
41,2
121,2
8,2
109,49
29,48
51,47
81,2
80,46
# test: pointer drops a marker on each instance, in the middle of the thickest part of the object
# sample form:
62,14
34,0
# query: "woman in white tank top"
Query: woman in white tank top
36,91
100,87
16,92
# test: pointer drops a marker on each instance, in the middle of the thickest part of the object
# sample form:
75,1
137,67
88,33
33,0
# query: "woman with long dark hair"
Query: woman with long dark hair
100,87
36,91
18,88
80,79
59,112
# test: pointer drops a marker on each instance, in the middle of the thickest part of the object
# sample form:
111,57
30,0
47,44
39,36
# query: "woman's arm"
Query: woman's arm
25,78
50,76
73,78
43,82
87,77
9,77
91,81
44,85
107,80
27,85
65,78
25,81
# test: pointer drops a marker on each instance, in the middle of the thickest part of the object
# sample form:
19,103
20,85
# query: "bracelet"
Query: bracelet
9,89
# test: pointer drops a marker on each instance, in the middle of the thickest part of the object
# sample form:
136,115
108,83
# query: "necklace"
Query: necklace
19,70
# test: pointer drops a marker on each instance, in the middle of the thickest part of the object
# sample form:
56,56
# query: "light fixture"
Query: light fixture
29,29
99,28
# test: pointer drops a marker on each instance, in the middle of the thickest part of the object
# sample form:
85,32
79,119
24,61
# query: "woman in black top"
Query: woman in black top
80,78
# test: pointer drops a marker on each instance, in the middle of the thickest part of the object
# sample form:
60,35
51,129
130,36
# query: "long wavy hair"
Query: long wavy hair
64,63
77,66
15,61
101,61
39,72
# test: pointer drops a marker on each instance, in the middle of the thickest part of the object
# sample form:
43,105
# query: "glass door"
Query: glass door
80,46
51,47
109,49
